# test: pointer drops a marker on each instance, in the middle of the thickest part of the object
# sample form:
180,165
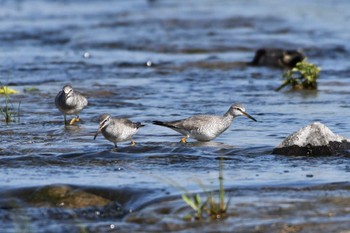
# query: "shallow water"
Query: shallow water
195,48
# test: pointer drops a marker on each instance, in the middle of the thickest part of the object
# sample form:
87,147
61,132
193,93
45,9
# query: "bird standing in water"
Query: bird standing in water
117,129
205,127
70,102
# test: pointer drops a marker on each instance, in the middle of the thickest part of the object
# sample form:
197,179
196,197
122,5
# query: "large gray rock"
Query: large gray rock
313,140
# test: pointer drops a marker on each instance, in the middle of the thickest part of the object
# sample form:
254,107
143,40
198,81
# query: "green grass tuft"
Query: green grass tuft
213,207
302,77
7,111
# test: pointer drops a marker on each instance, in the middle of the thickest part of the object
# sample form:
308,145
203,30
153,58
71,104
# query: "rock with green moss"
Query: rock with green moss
67,197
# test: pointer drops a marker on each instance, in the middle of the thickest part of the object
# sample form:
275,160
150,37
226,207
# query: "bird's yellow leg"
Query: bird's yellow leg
132,143
75,119
183,140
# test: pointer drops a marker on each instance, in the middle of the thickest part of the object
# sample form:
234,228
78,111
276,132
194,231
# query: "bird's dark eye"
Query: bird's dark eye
103,122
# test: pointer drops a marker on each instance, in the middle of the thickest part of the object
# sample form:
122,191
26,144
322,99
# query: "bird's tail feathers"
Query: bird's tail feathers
162,123
158,123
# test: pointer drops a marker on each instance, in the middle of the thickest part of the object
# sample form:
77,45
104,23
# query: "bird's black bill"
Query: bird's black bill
249,116
98,131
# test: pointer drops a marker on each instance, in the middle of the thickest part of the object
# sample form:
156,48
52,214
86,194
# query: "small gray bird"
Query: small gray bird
70,102
117,129
205,127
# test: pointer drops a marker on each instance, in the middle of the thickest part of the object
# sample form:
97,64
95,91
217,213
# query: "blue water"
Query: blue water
102,48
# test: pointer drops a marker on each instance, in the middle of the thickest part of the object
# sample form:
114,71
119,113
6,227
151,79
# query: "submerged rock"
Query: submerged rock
66,196
313,140
277,58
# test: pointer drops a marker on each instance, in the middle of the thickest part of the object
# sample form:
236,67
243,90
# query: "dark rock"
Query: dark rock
277,58
313,140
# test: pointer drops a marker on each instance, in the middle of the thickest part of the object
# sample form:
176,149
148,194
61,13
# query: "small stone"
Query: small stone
86,55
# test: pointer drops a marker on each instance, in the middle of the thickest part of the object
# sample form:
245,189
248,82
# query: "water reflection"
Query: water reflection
209,144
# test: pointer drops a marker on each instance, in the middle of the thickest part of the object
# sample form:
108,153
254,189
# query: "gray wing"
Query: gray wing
191,123
59,100
128,123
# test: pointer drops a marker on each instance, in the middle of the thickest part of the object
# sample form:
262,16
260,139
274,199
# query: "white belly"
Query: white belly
118,134
206,133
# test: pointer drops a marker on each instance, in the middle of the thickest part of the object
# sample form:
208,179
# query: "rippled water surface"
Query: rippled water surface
166,60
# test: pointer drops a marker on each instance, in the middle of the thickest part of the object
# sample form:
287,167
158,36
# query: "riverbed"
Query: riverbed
167,60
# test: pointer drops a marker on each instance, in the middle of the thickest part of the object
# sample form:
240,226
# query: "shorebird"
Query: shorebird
205,127
70,102
117,129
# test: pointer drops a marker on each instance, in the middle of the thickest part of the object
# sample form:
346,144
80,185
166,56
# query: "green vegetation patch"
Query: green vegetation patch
302,77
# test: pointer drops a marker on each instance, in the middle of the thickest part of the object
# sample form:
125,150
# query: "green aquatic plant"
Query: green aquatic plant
8,111
302,77
211,207
5,90
195,202
31,89
206,204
